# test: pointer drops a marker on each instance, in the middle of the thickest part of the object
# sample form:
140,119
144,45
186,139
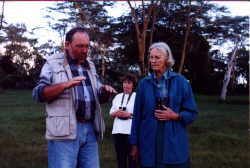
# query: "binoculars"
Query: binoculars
122,108
160,102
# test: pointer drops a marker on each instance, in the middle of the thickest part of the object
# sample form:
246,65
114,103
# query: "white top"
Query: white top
122,126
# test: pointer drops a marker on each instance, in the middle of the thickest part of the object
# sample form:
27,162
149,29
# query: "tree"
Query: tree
2,15
119,37
188,27
18,55
90,15
206,30
228,73
148,13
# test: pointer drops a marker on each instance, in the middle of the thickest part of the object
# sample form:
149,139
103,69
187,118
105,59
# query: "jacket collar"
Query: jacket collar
167,75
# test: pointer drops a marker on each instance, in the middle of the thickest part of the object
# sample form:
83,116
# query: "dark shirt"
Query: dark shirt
84,101
161,87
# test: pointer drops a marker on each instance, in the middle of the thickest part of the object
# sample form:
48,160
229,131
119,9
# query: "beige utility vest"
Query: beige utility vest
61,123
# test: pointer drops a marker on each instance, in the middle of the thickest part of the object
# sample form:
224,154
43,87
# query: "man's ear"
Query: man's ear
66,45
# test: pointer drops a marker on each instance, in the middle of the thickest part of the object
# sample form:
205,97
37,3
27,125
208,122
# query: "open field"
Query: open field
219,138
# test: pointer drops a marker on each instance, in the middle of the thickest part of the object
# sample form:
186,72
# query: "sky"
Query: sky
31,13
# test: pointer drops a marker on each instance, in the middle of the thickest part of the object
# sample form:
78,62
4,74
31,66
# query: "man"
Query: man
70,87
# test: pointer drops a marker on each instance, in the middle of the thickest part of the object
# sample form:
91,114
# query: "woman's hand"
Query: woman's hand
124,115
121,114
166,114
115,113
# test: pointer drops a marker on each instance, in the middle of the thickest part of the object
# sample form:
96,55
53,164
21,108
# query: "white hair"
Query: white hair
166,49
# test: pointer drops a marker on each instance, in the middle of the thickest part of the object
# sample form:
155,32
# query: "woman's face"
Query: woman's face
158,60
127,86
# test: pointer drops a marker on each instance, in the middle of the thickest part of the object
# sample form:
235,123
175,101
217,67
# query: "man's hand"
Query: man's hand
108,89
166,114
105,93
74,81
51,92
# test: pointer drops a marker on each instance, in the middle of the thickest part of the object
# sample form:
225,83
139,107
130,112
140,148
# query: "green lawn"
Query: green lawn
219,138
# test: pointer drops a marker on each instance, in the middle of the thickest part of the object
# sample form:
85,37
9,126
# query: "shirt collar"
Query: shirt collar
164,76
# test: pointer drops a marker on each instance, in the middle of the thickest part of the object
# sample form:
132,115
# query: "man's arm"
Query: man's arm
51,92
46,91
45,79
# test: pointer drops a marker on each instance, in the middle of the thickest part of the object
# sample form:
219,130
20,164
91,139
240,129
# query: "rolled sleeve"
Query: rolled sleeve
45,79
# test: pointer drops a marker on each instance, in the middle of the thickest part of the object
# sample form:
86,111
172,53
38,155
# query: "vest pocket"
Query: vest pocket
58,125
59,75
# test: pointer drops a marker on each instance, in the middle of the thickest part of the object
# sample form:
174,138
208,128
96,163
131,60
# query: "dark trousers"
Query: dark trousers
122,148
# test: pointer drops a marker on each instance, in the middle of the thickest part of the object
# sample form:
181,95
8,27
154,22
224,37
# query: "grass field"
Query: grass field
219,138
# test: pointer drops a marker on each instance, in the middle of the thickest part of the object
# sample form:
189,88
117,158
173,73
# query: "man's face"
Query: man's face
78,48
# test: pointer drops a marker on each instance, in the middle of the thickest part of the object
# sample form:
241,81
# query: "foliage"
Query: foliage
90,15
114,45
206,31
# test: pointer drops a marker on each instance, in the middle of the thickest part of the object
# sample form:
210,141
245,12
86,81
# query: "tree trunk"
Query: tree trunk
141,48
141,34
183,55
154,15
228,73
2,15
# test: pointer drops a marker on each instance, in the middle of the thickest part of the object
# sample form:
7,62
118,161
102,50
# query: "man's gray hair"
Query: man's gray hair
166,49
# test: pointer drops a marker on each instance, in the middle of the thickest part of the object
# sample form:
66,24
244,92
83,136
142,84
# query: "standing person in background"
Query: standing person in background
122,112
72,93
164,107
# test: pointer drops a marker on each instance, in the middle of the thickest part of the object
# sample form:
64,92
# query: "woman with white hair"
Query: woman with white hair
164,107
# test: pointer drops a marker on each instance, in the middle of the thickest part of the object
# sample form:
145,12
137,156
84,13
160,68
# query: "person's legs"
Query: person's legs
62,154
121,150
88,156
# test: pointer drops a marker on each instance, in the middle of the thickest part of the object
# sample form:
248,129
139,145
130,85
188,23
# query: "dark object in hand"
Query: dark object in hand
123,108
159,103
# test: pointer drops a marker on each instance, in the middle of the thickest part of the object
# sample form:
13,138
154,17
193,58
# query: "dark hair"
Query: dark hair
130,77
70,34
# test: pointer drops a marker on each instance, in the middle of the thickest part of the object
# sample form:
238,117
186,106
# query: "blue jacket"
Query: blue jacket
144,124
